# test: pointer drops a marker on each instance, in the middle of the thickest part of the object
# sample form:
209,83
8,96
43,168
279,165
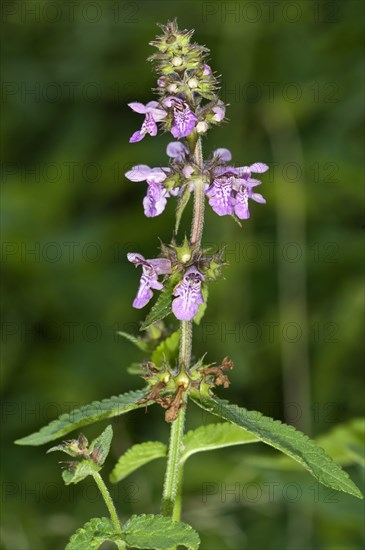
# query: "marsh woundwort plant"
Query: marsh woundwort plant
187,106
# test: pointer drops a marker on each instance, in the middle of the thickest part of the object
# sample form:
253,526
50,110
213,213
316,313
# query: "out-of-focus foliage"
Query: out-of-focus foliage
289,311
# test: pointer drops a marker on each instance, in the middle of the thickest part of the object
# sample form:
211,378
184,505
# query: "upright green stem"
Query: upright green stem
173,464
171,499
186,332
199,200
109,503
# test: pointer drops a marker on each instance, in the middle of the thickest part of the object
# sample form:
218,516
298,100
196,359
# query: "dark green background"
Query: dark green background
291,320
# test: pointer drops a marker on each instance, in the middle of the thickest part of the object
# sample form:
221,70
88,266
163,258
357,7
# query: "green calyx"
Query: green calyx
170,388
184,252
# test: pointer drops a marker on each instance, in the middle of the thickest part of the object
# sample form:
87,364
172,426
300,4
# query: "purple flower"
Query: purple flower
241,202
189,295
155,200
150,271
153,114
177,151
232,187
244,184
244,173
156,197
184,118
219,111
224,155
221,196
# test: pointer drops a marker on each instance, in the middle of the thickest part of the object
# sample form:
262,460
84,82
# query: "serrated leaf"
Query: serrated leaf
138,342
286,439
183,201
98,410
78,471
92,535
99,447
160,309
135,457
202,307
159,533
167,349
344,443
214,436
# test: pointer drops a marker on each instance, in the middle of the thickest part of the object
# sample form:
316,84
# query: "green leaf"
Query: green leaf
167,349
98,410
287,440
202,307
135,457
344,443
161,308
99,448
159,533
138,342
214,436
77,471
92,535
183,201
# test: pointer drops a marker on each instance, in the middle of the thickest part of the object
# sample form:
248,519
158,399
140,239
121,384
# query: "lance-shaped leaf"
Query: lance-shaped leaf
135,457
215,436
98,410
287,440
92,535
159,533
344,443
167,349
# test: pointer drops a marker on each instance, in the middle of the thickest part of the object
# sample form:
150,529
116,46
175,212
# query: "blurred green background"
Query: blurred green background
289,311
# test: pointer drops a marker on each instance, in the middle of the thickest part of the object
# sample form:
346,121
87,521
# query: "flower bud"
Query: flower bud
193,83
201,127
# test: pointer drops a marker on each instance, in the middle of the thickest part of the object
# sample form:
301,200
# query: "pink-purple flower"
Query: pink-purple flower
232,187
149,278
177,151
184,120
153,114
156,198
188,295
221,197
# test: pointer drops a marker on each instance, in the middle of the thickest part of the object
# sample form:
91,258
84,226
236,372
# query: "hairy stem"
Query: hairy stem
186,331
110,505
176,515
171,499
173,460
199,200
